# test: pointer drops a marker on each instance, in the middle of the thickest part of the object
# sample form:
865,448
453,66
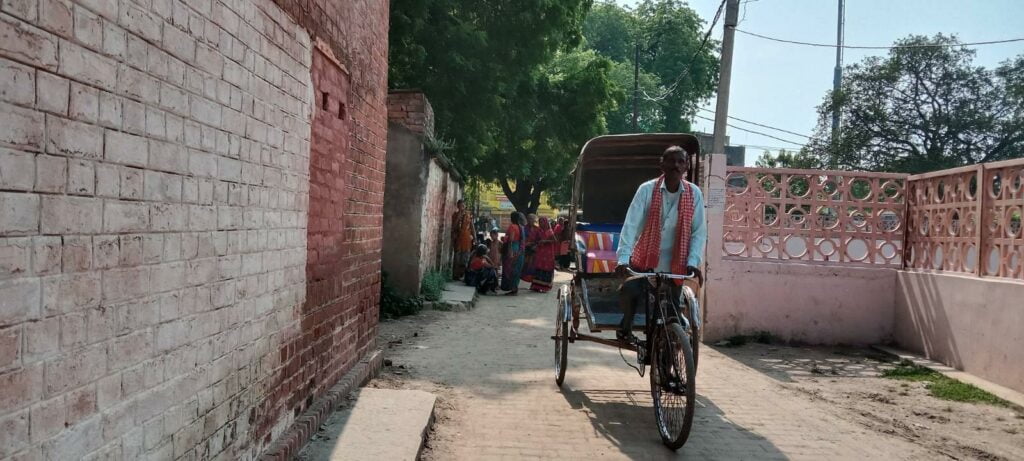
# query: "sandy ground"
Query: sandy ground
490,369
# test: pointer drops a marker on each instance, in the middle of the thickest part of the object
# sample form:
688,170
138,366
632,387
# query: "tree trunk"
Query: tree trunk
525,197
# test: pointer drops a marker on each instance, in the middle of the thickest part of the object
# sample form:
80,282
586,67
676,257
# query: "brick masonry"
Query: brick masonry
158,294
411,109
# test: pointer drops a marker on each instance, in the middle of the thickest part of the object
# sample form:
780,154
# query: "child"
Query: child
494,249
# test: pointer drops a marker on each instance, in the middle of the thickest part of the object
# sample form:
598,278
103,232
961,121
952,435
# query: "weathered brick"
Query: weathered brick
115,42
108,180
17,170
121,216
141,22
46,255
133,116
162,187
130,250
179,44
81,177
42,339
122,284
70,292
131,183
126,149
74,332
24,9
73,139
10,347
52,93
71,215
17,83
77,253
84,437
51,174
168,217
110,110
19,301
85,103
81,64
57,16
129,350
167,156
88,28
14,432
156,125
48,418
22,42
20,387
105,8
81,403
21,127
15,257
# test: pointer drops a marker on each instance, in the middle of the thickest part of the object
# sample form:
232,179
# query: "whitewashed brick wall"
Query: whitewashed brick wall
154,159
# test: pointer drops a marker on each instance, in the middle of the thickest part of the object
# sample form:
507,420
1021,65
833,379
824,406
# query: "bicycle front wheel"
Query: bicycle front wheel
673,386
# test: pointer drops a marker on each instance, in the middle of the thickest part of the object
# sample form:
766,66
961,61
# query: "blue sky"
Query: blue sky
781,85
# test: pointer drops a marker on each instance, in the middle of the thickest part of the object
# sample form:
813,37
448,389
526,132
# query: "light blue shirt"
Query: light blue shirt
637,216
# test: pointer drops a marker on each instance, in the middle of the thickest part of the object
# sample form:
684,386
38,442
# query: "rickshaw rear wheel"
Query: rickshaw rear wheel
561,341
673,385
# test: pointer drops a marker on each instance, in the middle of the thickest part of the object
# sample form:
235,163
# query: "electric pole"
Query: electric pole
837,78
732,10
636,86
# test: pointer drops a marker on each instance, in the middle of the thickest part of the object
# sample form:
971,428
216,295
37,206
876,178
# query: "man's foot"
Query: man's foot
626,336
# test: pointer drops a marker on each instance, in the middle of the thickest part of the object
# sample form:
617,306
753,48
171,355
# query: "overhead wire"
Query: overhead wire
761,125
703,43
752,131
891,47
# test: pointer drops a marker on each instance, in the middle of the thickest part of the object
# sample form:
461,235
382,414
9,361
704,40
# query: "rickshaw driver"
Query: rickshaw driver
663,232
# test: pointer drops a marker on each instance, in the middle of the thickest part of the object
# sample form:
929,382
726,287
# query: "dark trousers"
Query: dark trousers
633,293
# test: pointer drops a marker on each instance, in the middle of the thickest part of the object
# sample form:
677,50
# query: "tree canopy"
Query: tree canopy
677,74
923,108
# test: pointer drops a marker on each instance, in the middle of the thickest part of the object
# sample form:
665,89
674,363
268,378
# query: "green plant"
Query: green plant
433,284
393,304
942,386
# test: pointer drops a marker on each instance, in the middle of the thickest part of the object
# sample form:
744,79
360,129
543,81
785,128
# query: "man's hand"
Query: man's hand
622,270
696,273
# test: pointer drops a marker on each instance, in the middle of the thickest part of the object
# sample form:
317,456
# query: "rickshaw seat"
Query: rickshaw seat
600,242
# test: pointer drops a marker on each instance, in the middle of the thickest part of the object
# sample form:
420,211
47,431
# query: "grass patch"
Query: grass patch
942,386
393,304
433,284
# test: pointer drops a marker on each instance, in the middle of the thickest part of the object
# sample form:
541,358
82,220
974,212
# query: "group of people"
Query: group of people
530,250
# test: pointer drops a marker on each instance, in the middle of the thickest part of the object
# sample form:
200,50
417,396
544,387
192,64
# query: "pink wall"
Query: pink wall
970,323
806,303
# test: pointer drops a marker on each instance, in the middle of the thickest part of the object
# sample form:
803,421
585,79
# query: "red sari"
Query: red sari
544,257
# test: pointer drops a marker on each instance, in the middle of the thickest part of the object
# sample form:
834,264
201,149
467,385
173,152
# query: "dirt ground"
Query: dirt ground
489,367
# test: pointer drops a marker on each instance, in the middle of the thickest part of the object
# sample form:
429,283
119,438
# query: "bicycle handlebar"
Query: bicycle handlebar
660,274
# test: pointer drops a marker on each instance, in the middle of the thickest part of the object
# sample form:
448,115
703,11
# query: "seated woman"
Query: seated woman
482,273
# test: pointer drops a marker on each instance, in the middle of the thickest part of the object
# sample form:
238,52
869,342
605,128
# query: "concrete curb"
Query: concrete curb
289,444
456,297
1002,392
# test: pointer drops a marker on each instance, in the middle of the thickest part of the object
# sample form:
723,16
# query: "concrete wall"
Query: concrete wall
154,202
419,198
812,304
403,209
972,324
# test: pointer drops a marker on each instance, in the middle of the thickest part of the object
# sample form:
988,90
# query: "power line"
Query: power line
854,47
761,125
751,131
703,43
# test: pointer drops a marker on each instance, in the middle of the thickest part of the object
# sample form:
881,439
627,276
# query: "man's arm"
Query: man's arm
698,230
634,223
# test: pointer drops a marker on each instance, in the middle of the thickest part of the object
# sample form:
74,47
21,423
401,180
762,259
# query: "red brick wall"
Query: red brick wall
338,321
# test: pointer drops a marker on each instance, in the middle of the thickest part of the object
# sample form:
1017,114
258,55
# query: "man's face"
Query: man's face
674,165
461,206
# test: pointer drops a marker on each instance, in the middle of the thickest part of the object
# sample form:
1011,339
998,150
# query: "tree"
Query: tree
669,34
923,108
801,160
468,55
549,117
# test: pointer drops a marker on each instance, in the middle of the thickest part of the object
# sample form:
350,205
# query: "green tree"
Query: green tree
549,117
468,56
620,118
802,160
671,34
923,108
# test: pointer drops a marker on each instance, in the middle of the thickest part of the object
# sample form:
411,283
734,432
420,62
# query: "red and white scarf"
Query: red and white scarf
647,251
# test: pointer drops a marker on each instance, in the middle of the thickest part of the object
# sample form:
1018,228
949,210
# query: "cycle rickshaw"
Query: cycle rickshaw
607,173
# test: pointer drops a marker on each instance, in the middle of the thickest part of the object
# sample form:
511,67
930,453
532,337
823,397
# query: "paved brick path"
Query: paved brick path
494,367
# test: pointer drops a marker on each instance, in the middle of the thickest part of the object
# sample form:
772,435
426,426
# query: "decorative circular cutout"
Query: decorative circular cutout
856,250
860,189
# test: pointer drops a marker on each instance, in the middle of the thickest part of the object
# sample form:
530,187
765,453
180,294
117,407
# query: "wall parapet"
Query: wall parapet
814,216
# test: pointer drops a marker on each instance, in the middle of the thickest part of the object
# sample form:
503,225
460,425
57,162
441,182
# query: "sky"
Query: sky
781,85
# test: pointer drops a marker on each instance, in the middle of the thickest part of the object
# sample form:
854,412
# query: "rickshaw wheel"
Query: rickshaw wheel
562,341
673,385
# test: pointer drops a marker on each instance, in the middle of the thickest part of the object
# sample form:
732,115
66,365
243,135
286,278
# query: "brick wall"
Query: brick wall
154,188
411,109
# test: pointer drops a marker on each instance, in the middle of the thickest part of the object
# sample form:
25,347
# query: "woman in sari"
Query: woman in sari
544,257
531,235
512,255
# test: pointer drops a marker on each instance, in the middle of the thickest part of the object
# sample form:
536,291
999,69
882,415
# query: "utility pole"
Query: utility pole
837,78
732,10
636,86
